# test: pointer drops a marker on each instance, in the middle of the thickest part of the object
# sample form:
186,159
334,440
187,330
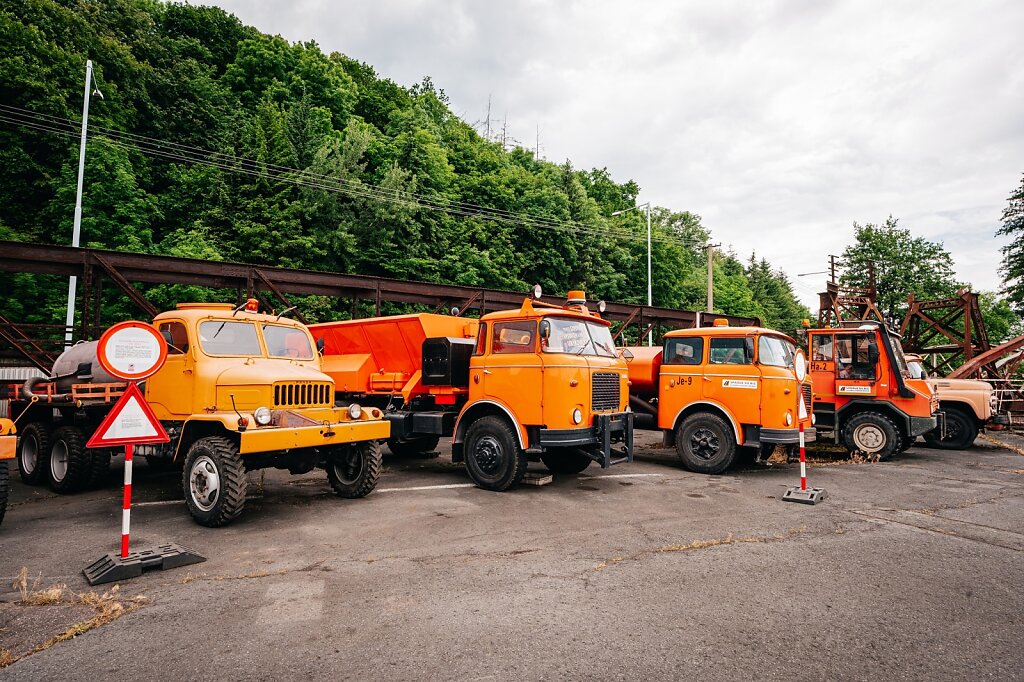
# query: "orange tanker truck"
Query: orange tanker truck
542,382
864,394
714,389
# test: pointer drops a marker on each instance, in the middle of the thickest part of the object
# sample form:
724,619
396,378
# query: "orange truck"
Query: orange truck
865,395
542,382
712,390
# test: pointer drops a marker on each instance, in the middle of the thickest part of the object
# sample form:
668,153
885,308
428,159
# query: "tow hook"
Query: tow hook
327,431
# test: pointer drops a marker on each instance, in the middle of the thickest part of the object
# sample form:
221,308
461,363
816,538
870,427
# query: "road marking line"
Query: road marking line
426,487
622,476
157,503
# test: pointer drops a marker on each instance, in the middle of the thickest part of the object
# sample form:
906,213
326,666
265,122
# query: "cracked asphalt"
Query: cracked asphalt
910,569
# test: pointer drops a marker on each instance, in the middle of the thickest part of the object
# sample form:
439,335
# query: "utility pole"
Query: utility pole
711,277
77,228
487,122
536,149
650,298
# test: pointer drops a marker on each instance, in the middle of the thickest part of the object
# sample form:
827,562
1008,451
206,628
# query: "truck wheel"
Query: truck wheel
99,467
872,433
70,462
422,447
565,460
705,444
905,443
493,458
214,481
33,448
960,432
353,469
5,476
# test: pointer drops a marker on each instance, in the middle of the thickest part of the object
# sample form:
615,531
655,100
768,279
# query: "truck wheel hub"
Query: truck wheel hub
704,443
488,454
30,454
869,438
204,483
349,467
59,461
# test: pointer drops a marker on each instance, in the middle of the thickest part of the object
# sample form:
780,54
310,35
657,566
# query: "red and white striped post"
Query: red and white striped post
803,494
803,461
126,514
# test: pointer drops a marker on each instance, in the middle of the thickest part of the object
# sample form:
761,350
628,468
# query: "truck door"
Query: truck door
681,380
512,372
823,379
731,379
856,365
170,390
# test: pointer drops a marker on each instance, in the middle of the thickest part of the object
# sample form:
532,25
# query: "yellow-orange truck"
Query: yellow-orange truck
712,390
239,391
541,382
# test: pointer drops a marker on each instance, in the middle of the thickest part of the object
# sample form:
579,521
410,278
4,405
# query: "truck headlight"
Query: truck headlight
789,418
993,401
814,420
262,415
577,416
354,411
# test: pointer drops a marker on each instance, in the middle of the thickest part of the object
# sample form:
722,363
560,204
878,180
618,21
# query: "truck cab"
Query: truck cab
865,396
545,383
711,390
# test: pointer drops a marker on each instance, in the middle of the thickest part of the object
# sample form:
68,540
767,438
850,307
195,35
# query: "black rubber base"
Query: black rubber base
809,496
111,567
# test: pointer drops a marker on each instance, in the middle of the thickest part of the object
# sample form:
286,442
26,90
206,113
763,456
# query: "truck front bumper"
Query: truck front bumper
274,438
787,436
595,440
922,425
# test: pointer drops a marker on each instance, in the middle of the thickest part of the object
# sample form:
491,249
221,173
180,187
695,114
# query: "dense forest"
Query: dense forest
213,140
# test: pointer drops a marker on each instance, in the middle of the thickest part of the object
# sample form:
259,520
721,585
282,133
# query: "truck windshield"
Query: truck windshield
577,337
287,342
916,370
225,337
774,351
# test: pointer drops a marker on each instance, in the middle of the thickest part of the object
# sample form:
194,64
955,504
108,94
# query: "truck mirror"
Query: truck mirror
320,345
626,354
872,352
545,329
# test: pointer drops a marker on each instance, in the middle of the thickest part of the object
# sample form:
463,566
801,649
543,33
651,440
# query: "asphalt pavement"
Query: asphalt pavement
910,569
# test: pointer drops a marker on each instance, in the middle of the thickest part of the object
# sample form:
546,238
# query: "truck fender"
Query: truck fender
482,408
717,408
194,429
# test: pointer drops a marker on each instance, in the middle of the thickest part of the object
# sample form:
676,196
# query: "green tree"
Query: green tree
901,263
1012,268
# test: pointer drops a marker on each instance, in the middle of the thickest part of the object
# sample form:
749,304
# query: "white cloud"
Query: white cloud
780,123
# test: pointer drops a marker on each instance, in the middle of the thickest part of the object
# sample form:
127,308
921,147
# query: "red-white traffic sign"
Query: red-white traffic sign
131,350
130,422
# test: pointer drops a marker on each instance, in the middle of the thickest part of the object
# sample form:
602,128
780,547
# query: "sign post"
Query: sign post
132,351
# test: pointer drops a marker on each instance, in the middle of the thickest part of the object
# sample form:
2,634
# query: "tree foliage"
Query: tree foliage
317,163
1012,268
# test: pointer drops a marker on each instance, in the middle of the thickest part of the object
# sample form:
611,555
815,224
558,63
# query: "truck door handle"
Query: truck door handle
487,371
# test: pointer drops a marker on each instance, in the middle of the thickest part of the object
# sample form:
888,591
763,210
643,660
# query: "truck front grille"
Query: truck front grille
303,394
605,391
805,391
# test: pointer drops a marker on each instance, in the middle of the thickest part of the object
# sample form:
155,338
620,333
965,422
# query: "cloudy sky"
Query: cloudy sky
780,123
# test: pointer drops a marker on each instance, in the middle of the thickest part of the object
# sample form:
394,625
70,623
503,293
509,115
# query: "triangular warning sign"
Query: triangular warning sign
130,422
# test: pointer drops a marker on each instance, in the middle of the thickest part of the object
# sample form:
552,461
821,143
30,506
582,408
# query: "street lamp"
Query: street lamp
77,229
650,334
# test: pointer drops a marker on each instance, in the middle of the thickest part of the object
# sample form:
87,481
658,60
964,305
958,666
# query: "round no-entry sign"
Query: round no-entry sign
131,350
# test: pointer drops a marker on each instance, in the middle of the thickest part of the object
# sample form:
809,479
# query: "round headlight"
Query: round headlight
537,291
262,415
789,418
814,420
354,411
800,365
577,416
601,306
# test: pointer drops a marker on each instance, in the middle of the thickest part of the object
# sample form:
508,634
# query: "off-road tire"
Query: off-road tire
423,447
35,435
353,470
99,467
566,460
68,453
872,434
5,486
906,442
961,430
208,458
705,443
493,458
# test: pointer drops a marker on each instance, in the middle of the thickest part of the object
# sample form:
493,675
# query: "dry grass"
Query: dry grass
109,606
729,539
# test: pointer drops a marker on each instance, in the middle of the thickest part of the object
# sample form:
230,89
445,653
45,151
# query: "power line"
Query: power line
173,151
